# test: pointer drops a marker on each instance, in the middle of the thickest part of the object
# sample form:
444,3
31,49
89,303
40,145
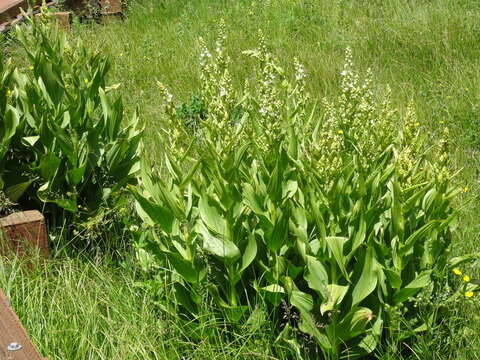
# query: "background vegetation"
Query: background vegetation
425,51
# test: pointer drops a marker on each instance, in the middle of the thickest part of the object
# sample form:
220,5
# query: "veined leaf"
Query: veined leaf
421,281
211,217
301,300
157,213
335,295
15,192
309,326
368,279
250,252
252,200
335,244
421,233
216,245
184,267
316,276
10,123
354,323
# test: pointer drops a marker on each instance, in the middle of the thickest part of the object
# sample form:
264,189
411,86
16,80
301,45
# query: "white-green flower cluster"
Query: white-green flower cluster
272,106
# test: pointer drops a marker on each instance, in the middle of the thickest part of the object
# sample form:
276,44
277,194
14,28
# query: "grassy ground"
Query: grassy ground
426,51
89,310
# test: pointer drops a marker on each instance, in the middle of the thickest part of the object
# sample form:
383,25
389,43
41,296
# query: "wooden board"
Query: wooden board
11,331
23,232
11,8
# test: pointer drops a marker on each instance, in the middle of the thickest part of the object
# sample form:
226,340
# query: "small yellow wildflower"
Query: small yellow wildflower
457,271
417,124
465,189
85,81
9,92
469,294
30,67
340,132
466,278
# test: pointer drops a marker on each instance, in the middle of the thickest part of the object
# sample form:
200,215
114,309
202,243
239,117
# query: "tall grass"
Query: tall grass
87,309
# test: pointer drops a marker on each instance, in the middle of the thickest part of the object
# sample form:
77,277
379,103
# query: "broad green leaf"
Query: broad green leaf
309,326
279,234
421,281
16,191
301,300
49,165
235,313
211,217
216,245
10,123
256,320
368,279
252,200
335,244
184,267
289,189
335,294
75,176
64,141
69,204
358,238
157,213
316,276
419,234
394,278
354,323
428,200
183,296
250,252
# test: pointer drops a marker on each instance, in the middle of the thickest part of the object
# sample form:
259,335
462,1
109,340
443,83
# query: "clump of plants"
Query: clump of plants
337,213
66,146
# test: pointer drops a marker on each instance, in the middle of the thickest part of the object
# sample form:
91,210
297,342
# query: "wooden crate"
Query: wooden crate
14,341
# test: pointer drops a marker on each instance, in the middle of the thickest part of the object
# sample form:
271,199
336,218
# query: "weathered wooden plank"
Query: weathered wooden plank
23,232
14,341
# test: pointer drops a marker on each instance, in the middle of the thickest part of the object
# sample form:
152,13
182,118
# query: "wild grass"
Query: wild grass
89,309
426,51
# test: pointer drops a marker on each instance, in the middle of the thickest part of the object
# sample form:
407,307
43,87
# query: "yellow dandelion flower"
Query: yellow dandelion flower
340,132
417,124
457,271
466,278
469,294
465,189
30,67
85,81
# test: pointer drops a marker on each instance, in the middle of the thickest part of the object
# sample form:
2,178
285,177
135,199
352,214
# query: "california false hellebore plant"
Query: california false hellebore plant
63,141
338,212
